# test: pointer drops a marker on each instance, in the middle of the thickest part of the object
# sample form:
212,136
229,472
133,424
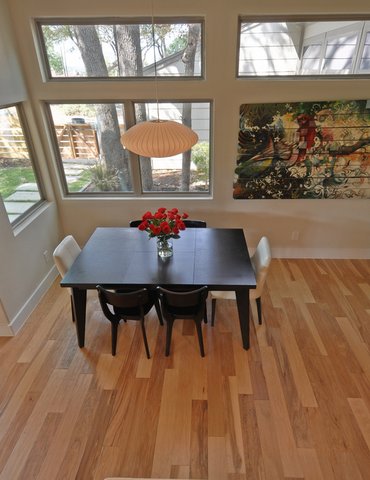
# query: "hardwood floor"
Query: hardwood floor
295,406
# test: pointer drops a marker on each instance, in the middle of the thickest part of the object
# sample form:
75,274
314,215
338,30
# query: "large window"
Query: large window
304,48
123,49
19,187
93,160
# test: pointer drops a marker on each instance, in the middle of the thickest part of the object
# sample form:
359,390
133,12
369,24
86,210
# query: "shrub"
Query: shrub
105,179
200,157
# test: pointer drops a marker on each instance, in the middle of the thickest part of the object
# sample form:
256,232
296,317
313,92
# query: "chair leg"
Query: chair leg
168,336
159,312
198,324
259,310
73,310
114,337
145,339
205,318
213,311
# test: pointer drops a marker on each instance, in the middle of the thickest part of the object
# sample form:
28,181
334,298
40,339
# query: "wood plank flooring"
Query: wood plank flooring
295,406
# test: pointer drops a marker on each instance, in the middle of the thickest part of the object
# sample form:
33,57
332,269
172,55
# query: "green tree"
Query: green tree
188,58
53,34
113,154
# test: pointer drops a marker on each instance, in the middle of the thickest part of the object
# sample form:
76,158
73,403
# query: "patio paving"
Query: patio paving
21,200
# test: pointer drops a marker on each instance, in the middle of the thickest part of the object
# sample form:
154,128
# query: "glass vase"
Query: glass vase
164,247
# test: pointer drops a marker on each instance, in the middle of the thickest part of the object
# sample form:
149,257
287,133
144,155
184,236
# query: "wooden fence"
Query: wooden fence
74,141
77,141
12,144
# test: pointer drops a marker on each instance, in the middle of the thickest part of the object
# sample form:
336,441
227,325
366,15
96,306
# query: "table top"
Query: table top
216,257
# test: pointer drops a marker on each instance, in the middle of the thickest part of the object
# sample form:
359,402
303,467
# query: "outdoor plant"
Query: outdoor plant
105,179
200,157
163,224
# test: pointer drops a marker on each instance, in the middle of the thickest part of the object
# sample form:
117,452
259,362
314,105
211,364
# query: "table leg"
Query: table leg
242,301
79,301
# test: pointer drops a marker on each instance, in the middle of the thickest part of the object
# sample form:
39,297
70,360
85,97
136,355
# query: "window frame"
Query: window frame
306,18
361,46
44,61
134,159
34,164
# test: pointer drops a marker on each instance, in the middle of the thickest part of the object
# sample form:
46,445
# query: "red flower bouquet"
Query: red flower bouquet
163,224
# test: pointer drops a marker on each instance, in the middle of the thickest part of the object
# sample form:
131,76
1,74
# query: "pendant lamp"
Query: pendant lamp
158,138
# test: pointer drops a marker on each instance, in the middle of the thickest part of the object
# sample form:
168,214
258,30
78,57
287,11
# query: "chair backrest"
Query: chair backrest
188,223
195,223
183,304
134,223
126,303
65,254
261,260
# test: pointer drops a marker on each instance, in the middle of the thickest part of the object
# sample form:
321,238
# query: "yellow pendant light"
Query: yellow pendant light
158,138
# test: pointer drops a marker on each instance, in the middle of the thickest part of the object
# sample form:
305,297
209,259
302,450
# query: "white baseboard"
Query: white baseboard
329,253
6,331
19,320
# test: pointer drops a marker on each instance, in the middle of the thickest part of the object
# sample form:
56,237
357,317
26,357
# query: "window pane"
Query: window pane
18,184
339,54
187,172
310,63
274,48
312,51
337,65
123,49
365,59
268,49
92,156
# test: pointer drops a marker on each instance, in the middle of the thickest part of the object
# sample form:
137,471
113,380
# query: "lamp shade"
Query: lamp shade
159,138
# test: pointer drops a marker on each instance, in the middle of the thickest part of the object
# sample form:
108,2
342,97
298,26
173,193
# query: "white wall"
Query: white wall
327,228
24,274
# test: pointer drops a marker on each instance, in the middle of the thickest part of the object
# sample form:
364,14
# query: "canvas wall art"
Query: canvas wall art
310,150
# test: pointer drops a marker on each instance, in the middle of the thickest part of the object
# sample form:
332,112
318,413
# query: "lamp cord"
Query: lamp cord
155,61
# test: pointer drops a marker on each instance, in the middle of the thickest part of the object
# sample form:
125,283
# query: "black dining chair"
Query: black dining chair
185,305
128,305
195,223
188,223
134,223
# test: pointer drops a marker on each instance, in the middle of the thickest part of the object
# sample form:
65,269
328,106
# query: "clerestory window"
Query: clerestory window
121,48
298,48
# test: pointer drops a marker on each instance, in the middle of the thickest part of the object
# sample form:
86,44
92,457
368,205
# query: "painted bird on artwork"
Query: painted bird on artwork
254,166
264,160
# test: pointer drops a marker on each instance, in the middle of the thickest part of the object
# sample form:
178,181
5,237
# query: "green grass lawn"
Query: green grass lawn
12,177
83,180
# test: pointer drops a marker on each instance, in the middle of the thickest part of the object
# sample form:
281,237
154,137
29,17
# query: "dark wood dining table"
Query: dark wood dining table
127,258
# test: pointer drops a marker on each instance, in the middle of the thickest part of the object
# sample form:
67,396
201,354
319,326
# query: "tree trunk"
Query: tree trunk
189,60
131,65
110,146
